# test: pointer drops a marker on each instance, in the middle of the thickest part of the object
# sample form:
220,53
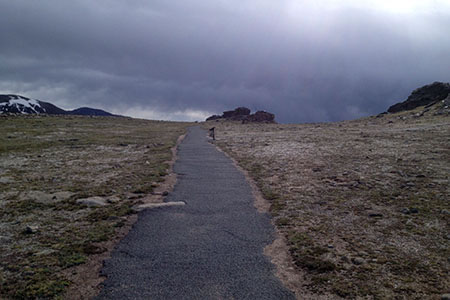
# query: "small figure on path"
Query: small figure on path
212,133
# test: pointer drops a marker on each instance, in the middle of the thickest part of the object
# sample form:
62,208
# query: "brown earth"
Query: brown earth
363,206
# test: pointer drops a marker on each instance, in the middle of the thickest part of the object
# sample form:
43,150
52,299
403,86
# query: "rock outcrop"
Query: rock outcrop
426,95
214,117
238,114
243,114
261,117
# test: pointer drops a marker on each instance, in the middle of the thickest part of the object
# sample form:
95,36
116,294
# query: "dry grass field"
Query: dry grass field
364,204
67,187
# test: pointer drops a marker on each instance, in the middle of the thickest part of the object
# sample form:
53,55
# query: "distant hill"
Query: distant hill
16,104
426,95
87,111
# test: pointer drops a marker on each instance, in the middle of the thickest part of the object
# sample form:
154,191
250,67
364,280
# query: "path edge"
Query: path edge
86,279
278,251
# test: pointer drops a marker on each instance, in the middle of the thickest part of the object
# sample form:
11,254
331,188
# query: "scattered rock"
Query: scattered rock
444,107
414,210
45,252
405,211
6,180
31,229
45,198
157,205
92,201
165,193
113,199
345,259
408,211
358,260
375,214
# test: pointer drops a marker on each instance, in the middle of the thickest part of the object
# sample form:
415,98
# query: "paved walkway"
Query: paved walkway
211,248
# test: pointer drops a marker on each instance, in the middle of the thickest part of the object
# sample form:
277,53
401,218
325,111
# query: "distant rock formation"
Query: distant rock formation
15,104
243,114
238,114
260,117
426,95
214,117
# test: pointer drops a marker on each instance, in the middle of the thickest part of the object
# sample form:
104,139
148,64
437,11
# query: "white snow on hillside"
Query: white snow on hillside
21,104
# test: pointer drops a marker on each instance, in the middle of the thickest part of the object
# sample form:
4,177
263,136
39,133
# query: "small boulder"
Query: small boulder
113,199
29,229
46,198
375,214
92,201
6,180
358,260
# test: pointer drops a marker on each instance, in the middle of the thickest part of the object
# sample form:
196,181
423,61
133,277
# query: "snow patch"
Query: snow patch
21,104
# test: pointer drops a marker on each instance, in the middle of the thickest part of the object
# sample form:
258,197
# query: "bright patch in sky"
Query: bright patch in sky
413,7
152,114
406,6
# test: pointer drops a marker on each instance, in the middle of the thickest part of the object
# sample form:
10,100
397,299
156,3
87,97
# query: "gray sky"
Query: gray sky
306,61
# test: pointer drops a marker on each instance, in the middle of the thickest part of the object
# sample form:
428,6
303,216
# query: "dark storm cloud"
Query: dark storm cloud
186,59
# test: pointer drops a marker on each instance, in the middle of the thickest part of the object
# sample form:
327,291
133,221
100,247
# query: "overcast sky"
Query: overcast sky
306,61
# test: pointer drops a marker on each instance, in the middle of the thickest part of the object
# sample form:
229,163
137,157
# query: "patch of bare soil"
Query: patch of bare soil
362,205
69,190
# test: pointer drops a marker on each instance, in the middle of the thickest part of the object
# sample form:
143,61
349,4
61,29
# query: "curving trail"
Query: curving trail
210,248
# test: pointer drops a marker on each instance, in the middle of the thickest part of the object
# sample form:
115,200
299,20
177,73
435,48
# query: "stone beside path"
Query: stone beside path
209,248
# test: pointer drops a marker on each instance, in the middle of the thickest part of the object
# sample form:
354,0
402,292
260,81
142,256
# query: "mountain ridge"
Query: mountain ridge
16,104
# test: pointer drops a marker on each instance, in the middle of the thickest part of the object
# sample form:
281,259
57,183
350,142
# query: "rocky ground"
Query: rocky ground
68,186
364,204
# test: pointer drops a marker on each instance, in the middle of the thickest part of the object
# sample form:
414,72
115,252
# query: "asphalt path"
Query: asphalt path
210,248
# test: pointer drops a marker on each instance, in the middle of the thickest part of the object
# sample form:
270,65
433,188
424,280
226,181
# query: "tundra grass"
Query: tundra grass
47,163
364,204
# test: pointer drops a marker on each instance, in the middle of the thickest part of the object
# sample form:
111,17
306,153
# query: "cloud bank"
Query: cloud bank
306,61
